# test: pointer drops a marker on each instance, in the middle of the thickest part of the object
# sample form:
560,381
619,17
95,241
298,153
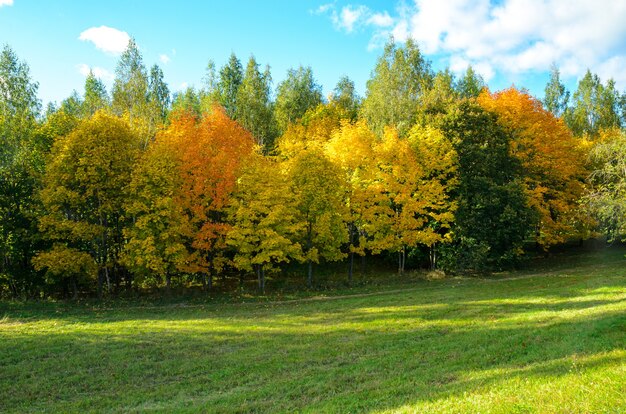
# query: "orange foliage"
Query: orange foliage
211,150
552,160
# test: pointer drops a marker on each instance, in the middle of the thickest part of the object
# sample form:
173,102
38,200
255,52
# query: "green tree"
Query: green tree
158,94
295,95
21,163
96,96
85,190
401,76
493,218
254,107
187,101
556,95
231,76
130,87
606,198
345,97
471,84
594,107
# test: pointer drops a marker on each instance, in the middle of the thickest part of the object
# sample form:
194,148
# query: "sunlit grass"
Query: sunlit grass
535,341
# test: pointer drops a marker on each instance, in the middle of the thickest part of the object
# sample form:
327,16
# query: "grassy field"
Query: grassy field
548,339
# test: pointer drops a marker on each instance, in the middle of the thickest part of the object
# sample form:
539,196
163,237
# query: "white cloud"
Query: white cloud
380,20
351,18
6,3
508,36
165,59
98,72
183,86
106,38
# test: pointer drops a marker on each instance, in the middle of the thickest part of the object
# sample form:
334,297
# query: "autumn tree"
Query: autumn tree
159,236
213,149
295,95
551,161
437,183
401,76
317,186
351,148
264,219
84,193
314,129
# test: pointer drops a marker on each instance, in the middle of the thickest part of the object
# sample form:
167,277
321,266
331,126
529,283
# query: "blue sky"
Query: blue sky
508,41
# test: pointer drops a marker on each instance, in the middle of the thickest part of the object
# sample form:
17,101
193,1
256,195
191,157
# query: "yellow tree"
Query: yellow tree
84,192
352,149
263,216
156,246
438,163
552,161
317,186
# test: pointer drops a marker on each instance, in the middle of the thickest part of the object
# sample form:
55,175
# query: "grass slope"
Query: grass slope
552,340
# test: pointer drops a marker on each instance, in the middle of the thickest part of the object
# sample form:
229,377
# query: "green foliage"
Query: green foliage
492,206
158,94
471,84
21,163
556,96
401,76
345,97
130,87
254,107
295,95
96,97
606,198
231,76
594,107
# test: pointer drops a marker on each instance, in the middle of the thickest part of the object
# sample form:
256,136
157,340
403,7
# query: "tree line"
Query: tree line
139,189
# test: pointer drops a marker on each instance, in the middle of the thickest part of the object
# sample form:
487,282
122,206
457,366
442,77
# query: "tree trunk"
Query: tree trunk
363,265
209,277
351,269
100,283
309,280
74,288
433,257
168,283
262,275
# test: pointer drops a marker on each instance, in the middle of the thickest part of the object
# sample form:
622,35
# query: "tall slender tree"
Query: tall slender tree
401,76
298,93
254,107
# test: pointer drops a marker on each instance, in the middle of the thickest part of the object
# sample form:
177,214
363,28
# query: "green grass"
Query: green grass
548,339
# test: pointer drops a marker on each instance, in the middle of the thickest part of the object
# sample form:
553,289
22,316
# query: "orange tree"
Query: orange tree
552,161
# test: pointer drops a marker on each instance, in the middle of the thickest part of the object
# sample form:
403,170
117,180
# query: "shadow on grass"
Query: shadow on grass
356,354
